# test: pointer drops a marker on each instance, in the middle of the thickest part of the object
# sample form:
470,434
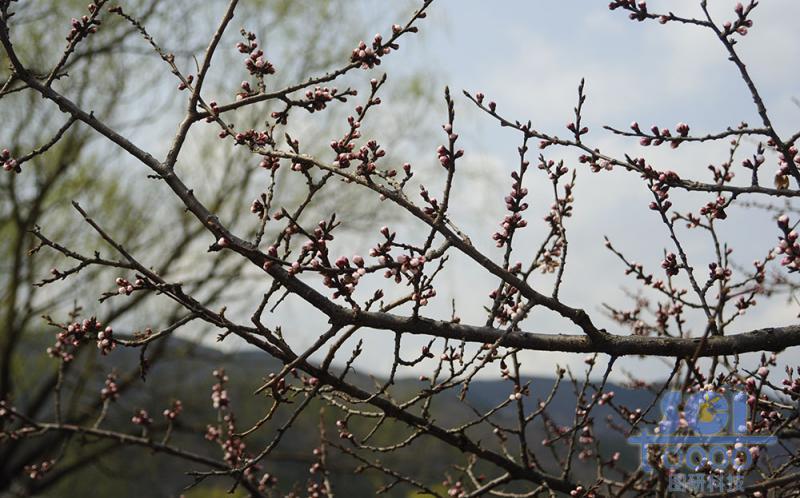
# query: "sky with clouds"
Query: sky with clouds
529,57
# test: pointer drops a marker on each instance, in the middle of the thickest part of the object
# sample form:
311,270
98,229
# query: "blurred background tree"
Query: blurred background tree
103,75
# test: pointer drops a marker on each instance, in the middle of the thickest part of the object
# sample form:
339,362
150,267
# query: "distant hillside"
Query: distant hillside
185,373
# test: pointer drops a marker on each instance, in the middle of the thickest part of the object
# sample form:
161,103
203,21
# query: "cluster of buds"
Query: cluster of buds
550,260
742,23
249,44
233,448
258,207
393,269
757,160
665,312
105,340
281,387
636,414
518,393
768,421
505,373
784,168
561,209
638,12
344,147
554,170
317,466
788,245
183,85
110,390
443,154
315,489
272,253
743,303
36,471
85,25
370,57
71,336
660,187
791,384
715,209
637,270
510,223
127,287
456,489
557,430
508,308
367,155
267,481
343,276
586,439
6,411
318,98
586,436
605,398
223,243
219,395
716,272
214,111
142,418
347,277
9,162
670,265
571,126
595,163
344,433
630,318
515,206
173,411
255,62
270,163
297,164
247,90
381,251
658,136
751,387
580,491
423,296
212,433
252,138
410,264
451,355
723,174
492,106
